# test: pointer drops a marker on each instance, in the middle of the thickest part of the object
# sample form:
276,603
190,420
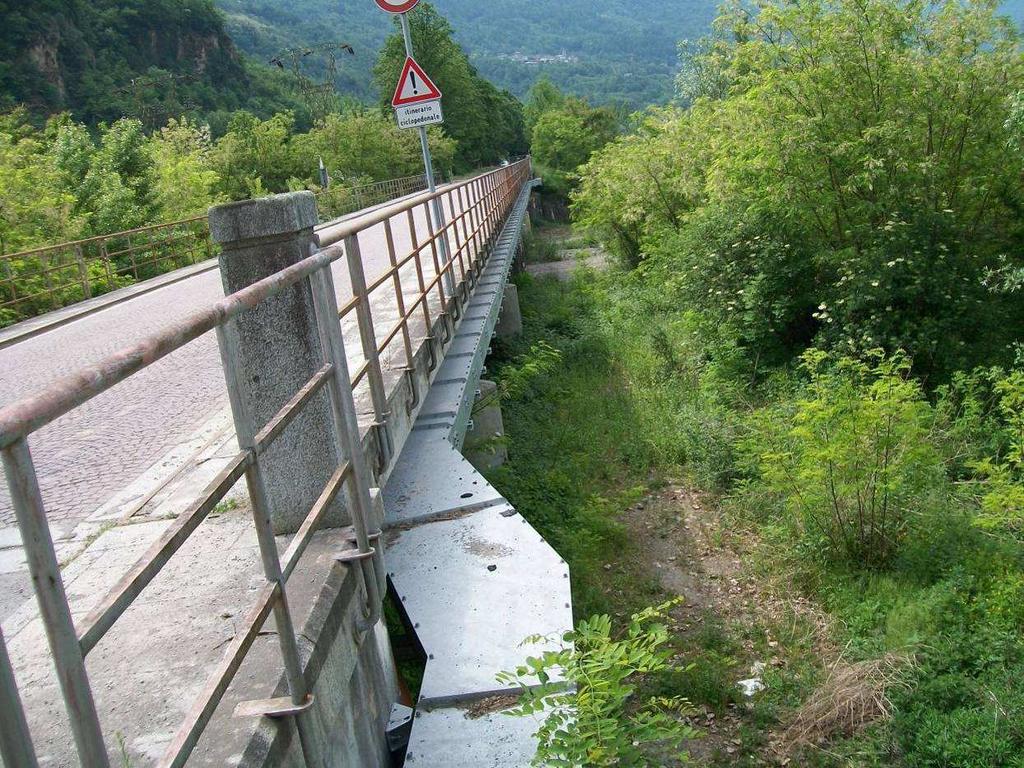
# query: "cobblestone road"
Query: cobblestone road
86,456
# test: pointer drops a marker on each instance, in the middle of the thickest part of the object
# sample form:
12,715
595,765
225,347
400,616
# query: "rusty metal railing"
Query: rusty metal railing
475,212
47,278
339,199
44,279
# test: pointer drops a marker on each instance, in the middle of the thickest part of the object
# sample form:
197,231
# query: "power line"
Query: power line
319,95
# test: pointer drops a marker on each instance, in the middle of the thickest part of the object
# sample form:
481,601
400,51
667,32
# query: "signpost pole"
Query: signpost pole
428,167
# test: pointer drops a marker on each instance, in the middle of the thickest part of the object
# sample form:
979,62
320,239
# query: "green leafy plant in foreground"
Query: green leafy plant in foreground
587,694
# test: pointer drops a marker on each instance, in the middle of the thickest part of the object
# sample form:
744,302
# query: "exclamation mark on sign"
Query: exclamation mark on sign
415,88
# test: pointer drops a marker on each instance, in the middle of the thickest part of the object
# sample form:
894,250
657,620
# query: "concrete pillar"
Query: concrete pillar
510,321
278,346
534,209
519,257
483,447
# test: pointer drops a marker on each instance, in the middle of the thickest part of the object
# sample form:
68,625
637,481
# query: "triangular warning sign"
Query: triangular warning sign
414,86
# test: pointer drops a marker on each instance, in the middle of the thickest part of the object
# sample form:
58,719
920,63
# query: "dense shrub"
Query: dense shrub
851,178
855,467
586,692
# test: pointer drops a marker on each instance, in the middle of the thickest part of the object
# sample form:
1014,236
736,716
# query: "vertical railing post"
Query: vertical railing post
346,426
454,219
53,605
467,219
478,234
410,366
420,279
428,335
15,740
246,436
439,272
106,262
83,272
364,317
396,278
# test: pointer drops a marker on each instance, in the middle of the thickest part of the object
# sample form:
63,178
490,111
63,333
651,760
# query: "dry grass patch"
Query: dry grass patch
852,697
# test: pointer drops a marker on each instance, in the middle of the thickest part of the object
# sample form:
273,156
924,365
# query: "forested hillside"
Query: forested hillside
816,320
151,59
616,51
622,51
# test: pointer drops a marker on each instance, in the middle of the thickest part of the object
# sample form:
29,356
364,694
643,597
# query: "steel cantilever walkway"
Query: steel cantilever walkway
474,576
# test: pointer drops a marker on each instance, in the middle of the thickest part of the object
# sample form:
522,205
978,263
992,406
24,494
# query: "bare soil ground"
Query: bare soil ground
751,630
558,254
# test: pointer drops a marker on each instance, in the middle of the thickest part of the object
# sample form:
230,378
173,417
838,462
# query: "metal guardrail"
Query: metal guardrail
50,277
339,199
457,251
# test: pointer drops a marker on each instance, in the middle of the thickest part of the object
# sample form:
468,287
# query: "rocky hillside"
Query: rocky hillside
104,59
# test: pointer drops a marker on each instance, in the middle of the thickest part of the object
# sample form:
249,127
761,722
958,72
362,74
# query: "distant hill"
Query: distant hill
610,51
104,59
618,51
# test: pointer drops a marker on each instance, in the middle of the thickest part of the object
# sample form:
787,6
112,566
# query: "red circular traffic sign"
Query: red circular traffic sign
397,6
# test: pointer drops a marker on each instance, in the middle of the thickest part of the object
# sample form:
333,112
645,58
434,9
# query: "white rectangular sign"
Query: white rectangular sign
417,115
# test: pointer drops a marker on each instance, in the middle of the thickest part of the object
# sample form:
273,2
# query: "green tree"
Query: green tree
256,156
111,179
366,145
543,96
116,190
566,136
856,469
184,180
640,184
856,182
35,205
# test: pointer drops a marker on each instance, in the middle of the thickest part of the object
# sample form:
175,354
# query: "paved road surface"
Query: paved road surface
88,455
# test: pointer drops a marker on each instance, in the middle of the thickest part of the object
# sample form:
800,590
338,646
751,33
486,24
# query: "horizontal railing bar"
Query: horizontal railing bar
99,238
27,415
309,525
101,618
46,292
348,306
291,409
188,734
149,245
360,372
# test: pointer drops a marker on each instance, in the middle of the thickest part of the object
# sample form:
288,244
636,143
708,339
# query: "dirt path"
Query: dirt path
556,253
731,627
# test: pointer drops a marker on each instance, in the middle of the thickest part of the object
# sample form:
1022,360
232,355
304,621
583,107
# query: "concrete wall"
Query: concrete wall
353,680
